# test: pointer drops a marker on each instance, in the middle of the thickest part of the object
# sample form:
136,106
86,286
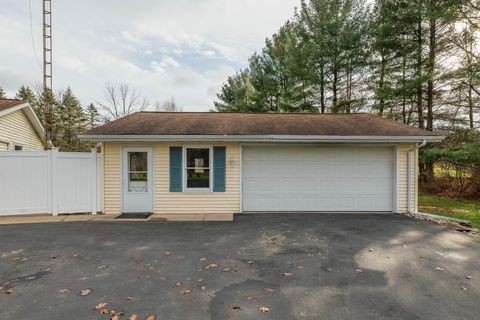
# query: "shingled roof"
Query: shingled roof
9,103
252,124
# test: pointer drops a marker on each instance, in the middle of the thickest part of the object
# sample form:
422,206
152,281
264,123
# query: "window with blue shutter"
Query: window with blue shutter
176,167
219,169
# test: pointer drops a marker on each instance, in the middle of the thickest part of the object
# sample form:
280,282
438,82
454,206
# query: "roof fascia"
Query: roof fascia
262,138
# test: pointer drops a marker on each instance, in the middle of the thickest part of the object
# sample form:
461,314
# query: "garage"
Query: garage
317,178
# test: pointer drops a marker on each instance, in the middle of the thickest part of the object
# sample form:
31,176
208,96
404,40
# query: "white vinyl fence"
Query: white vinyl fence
50,182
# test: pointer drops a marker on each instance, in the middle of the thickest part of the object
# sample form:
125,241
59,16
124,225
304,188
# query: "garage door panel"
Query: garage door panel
317,179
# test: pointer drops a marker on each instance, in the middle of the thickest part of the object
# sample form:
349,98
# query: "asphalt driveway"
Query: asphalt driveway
291,266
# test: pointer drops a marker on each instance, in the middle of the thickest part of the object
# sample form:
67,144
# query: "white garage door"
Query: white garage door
317,178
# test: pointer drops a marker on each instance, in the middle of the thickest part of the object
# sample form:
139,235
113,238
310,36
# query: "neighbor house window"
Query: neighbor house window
197,168
18,148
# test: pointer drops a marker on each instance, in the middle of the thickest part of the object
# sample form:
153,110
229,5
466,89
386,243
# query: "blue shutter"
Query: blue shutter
219,169
176,165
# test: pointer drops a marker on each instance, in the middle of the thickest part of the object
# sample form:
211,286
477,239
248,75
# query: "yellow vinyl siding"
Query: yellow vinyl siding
402,176
167,202
15,127
112,178
3,146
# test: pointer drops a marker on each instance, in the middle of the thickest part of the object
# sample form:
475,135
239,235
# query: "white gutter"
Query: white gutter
409,175
262,138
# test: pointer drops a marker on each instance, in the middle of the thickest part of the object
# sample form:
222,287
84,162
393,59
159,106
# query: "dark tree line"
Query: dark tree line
415,61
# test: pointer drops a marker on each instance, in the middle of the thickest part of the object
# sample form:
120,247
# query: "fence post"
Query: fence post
94,193
54,185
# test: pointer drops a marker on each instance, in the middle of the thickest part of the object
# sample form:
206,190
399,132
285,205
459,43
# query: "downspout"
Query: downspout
409,175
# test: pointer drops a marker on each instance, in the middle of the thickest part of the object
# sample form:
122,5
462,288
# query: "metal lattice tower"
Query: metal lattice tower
47,45
47,70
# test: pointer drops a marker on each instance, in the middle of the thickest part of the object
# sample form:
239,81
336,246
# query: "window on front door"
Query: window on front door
137,172
197,169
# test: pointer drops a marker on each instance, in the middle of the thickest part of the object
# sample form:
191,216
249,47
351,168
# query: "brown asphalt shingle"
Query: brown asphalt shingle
9,103
215,123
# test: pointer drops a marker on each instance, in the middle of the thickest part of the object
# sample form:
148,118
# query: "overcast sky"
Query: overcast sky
181,49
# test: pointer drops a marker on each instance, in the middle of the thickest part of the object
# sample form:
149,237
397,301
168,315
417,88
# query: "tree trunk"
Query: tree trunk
404,98
322,87
419,68
431,71
381,85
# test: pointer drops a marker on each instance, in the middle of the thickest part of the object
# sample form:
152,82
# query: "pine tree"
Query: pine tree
92,115
72,121
3,94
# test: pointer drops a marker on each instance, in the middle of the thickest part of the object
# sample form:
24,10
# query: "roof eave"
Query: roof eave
263,138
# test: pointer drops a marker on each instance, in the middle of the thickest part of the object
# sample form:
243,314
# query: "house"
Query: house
20,129
209,166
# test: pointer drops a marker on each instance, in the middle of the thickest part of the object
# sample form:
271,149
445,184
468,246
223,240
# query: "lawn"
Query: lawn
449,207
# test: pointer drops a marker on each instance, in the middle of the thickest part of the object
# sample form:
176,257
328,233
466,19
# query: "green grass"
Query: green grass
450,207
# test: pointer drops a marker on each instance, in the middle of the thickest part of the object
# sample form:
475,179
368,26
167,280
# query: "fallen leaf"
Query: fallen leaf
288,274
439,269
203,288
101,306
269,290
103,311
30,278
464,289
103,266
53,257
211,266
133,317
203,259
181,257
178,284
163,278
469,277
186,292
85,292
130,298
83,279
151,317
264,309
358,270
370,250
65,290
226,269
9,291
115,317
200,280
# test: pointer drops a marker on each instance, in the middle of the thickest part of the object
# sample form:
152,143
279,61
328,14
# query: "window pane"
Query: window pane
198,178
138,161
137,182
198,158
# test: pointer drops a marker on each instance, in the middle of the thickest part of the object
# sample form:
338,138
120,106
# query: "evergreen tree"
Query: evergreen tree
72,121
92,115
3,94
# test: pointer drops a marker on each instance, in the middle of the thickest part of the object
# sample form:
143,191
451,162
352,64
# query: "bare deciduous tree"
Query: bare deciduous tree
168,106
121,100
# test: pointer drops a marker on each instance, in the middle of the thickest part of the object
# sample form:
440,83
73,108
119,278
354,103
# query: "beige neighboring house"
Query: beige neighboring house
209,166
20,129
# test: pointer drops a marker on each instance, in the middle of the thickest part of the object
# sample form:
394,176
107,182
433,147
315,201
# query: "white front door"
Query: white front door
137,180
304,178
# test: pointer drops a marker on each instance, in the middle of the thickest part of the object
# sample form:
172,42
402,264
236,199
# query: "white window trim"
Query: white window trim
210,168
